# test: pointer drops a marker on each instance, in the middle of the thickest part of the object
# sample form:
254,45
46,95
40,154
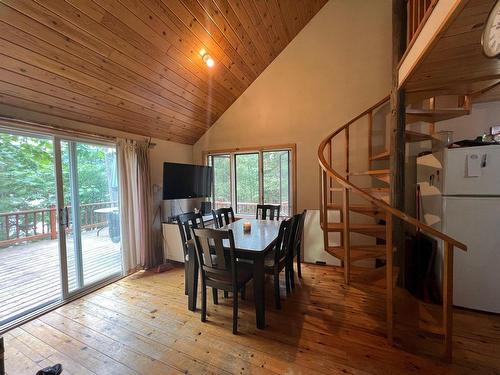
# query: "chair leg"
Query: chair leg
277,297
299,271
203,302
226,294
185,278
235,311
243,292
287,278
215,295
291,273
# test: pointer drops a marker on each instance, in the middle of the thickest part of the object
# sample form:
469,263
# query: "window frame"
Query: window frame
292,171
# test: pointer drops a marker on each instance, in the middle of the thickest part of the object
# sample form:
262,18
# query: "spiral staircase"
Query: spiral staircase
363,215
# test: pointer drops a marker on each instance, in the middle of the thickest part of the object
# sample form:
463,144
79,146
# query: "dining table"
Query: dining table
253,245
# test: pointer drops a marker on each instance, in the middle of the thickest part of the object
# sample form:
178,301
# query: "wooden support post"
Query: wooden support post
389,278
347,153
448,300
398,128
330,160
325,207
370,138
346,233
347,236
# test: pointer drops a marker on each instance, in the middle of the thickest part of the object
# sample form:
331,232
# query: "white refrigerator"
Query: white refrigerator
460,191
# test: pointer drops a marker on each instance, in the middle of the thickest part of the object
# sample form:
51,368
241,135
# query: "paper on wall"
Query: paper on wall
473,165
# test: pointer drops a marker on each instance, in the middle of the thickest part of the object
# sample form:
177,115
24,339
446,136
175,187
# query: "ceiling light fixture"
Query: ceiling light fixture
207,59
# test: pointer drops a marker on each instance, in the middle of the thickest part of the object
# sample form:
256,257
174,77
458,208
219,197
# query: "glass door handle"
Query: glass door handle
64,216
66,213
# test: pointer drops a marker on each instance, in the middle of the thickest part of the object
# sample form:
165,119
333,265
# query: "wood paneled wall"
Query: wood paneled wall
134,65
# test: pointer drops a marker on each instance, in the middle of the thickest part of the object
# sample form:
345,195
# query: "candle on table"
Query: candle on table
247,227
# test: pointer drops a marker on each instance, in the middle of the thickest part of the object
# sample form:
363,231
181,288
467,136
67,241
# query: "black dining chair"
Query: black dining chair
279,259
297,246
268,211
223,216
185,222
220,270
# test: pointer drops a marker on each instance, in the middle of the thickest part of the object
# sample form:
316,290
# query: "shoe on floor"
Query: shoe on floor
52,370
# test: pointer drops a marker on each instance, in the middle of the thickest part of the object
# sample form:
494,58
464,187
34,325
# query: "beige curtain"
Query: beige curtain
151,255
136,206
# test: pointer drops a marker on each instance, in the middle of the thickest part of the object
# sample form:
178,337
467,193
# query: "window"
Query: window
247,183
244,179
276,178
221,195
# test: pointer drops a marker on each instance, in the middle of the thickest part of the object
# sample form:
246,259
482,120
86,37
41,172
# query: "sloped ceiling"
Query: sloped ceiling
135,65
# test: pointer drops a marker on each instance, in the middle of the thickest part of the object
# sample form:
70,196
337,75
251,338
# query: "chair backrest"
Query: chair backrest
284,243
222,266
263,209
223,216
186,222
299,232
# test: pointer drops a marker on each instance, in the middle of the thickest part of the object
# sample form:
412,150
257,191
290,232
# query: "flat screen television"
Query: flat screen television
182,181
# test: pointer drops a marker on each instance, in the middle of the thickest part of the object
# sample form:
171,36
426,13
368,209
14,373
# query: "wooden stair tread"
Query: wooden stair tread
364,209
434,115
373,227
412,136
384,178
358,252
371,172
382,193
381,156
372,230
379,193
355,207
380,174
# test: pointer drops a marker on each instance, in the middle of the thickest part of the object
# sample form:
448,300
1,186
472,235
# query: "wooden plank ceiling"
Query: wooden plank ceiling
455,63
135,65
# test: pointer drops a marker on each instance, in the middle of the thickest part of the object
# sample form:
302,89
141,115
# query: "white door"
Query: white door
475,222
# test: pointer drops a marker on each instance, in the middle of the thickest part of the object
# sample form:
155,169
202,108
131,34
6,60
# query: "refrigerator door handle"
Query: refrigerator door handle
483,162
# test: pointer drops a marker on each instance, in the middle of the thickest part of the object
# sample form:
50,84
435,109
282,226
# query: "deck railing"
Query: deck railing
41,223
417,11
249,208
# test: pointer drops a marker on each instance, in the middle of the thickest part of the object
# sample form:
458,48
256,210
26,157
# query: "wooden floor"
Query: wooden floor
30,273
141,325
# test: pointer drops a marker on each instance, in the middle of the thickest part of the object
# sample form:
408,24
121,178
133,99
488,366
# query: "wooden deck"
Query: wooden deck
30,276
141,325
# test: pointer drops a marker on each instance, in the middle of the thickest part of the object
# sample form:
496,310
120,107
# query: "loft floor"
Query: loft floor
141,325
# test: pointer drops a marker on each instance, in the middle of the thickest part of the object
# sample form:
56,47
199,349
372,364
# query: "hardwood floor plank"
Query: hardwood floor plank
141,325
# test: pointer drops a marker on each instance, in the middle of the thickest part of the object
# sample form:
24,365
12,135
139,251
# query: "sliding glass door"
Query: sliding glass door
89,213
29,253
59,220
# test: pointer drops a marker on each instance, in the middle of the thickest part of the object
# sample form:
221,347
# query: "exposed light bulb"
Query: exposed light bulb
207,59
202,52
210,62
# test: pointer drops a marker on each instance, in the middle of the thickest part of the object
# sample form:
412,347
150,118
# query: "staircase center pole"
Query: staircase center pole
398,132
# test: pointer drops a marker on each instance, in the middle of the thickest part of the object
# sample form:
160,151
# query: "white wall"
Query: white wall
483,116
336,67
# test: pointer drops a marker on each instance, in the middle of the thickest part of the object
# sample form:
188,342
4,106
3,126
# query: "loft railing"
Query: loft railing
329,176
417,13
37,224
